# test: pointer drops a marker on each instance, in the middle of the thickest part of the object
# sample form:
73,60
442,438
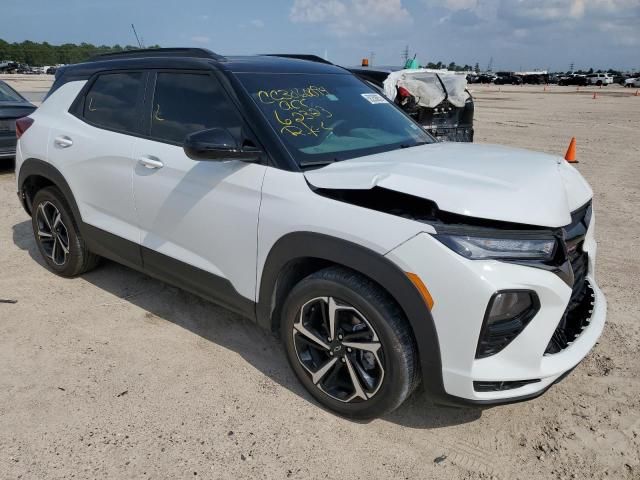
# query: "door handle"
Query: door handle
63,141
150,162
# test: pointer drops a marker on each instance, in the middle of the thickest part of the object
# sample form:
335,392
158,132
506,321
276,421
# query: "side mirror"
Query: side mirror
217,144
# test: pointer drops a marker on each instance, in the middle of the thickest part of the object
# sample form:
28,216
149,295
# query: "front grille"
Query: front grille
574,320
578,312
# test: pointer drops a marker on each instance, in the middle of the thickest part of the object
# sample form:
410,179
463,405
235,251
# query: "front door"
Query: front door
198,219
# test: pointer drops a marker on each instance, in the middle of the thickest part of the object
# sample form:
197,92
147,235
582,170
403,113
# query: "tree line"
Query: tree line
40,54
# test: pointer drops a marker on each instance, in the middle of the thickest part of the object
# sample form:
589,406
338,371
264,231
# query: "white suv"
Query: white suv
291,192
600,79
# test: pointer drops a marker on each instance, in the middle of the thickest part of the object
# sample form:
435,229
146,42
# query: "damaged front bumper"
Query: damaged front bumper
450,134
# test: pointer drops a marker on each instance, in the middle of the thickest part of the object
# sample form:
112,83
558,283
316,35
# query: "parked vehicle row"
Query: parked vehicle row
576,79
24,69
296,194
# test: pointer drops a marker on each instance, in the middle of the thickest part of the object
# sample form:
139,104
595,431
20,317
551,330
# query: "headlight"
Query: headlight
477,248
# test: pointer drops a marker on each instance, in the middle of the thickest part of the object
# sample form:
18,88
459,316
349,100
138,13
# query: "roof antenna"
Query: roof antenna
133,27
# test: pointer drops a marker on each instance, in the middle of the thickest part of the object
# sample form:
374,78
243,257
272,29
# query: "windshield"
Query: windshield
7,94
323,118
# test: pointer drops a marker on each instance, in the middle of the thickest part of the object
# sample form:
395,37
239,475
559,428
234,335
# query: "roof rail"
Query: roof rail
159,52
300,56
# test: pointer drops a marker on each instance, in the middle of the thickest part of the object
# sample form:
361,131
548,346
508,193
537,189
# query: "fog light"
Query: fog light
508,313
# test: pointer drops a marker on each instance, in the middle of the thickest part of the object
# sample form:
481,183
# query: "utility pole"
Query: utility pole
372,57
571,65
405,55
490,66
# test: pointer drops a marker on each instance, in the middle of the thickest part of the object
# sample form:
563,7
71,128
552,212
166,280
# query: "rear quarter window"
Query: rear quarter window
114,101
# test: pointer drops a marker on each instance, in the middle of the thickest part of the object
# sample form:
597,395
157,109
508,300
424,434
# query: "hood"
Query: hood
483,181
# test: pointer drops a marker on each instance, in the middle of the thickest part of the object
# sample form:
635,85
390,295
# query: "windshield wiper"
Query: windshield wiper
417,144
317,163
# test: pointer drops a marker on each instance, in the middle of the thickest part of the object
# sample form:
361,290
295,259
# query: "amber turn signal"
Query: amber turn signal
415,279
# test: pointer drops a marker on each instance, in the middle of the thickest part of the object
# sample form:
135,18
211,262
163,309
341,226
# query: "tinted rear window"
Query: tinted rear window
114,102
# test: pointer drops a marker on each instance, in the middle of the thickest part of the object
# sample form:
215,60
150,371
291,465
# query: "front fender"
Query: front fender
311,245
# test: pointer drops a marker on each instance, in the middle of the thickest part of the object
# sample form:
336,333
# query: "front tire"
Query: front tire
349,343
57,235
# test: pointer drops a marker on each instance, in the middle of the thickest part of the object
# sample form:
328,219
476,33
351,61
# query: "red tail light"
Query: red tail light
403,92
22,125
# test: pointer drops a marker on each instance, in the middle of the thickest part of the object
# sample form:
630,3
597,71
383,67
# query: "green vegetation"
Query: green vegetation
451,66
39,54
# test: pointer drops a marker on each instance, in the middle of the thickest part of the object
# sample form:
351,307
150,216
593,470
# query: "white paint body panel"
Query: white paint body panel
98,166
203,213
484,181
289,205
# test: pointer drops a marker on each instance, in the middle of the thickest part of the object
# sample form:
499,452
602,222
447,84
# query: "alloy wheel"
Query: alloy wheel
339,349
52,233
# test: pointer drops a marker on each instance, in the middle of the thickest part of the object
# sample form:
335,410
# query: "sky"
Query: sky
516,34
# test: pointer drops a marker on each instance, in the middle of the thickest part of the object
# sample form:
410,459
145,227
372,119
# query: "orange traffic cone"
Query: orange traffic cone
637,94
595,95
570,156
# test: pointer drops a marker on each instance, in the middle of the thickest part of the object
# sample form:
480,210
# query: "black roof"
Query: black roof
191,59
195,58
158,52
277,64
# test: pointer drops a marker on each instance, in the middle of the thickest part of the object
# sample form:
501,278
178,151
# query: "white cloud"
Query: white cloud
257,23
568,14
344,17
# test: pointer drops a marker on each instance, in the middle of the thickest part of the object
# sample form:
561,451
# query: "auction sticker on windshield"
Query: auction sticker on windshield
374,98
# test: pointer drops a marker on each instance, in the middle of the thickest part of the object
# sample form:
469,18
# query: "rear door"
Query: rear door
93,145
198,219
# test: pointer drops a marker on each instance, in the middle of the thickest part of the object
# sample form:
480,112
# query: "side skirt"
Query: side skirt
206,285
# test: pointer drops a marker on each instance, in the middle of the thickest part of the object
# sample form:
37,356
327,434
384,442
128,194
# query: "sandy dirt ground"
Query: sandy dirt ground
116,375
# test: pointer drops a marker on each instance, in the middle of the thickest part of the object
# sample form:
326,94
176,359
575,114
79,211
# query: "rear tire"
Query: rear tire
368,366
57,235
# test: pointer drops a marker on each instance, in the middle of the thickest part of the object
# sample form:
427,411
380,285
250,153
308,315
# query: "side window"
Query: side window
184,103
114,101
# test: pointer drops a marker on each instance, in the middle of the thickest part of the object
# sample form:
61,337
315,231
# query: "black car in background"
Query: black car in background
507,78
484,78
578,80
535,79
12,106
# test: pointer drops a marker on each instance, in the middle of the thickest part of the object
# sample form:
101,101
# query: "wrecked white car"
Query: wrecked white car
438,100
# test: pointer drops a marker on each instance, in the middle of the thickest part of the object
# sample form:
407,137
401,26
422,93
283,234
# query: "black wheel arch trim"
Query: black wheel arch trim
35,167
300,245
